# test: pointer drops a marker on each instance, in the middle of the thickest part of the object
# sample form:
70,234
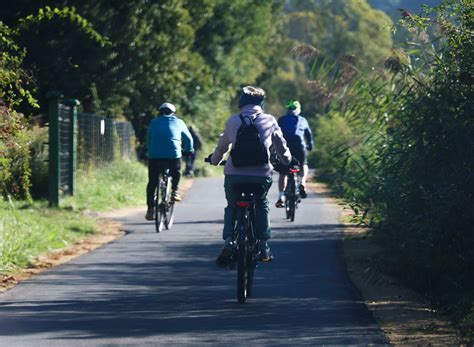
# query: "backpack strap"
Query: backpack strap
242,119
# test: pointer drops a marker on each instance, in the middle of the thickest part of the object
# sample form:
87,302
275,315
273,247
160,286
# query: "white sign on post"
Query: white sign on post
102,126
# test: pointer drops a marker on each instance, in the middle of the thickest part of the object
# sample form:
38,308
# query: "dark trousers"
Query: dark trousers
156,167
190,163
262,206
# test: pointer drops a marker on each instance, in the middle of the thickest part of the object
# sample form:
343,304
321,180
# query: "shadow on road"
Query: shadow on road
180,292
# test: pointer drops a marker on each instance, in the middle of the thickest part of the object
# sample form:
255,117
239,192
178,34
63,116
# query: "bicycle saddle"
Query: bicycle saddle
248,188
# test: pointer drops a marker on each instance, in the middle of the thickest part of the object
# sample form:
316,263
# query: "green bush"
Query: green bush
39,162
15,171
334,135
428,171
407,161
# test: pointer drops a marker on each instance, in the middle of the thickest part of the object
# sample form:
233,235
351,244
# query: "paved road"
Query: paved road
162,289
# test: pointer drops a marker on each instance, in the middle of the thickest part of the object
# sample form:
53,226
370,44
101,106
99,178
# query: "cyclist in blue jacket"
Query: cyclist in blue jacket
299,138
167,134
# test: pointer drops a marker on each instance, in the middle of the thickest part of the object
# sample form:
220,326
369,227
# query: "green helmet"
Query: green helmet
293,105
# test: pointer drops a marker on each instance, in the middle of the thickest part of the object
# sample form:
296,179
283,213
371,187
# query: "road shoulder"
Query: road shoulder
404,317
109,229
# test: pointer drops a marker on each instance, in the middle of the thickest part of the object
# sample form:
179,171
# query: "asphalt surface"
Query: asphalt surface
164,289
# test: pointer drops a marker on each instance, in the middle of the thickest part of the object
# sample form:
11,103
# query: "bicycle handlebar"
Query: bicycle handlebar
208,160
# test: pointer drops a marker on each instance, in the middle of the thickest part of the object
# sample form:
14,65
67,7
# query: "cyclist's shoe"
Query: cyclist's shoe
303,194
265,253
225,257
150,214
280,203
175,196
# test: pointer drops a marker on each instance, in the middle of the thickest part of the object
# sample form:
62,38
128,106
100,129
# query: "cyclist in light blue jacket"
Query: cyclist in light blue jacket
167,135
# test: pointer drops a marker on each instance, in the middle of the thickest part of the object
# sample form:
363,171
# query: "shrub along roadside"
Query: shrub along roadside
28,230
407,160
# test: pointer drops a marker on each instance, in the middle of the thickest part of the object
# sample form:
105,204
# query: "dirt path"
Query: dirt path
403,315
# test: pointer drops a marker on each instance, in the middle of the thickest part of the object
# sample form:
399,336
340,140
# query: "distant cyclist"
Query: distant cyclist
257,171
300,140
190,158
166,135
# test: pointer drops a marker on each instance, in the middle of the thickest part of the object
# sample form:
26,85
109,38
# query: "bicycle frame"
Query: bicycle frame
163,205
245,240
292,193
247,245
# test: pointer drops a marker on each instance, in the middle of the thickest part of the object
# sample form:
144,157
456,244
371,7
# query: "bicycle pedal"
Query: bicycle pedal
266,260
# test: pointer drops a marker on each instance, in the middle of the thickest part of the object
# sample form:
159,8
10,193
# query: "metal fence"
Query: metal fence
81,140
95,139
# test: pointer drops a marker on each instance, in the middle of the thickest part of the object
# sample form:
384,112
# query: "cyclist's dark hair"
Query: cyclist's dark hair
251,96
165,111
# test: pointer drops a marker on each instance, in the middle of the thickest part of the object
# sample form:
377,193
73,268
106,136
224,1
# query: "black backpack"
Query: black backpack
248,149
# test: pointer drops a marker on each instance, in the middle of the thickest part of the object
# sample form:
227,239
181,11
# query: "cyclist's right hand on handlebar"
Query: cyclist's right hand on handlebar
208,159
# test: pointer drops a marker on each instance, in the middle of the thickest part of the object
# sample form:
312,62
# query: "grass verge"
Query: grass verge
28,231
114,185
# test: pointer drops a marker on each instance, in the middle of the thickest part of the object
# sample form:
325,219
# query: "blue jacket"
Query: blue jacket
165,135
296,131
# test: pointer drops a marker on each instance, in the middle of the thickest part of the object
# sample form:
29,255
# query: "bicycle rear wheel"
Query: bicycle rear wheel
251,264
291,200
241,272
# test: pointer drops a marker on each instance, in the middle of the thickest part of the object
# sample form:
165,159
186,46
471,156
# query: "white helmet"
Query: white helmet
169,106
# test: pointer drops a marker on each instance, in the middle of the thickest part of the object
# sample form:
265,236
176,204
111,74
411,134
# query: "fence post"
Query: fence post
73,103
109,138
53,173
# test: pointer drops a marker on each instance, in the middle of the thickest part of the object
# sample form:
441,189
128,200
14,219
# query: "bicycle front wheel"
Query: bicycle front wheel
292,208
169,216
160,217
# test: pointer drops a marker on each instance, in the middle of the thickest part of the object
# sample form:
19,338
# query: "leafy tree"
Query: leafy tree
237,44
339,28
349,30
15,171
194,53
392,6
402,154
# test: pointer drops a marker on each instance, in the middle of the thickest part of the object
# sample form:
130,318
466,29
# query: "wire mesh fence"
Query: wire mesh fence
81,140
102,140
126,135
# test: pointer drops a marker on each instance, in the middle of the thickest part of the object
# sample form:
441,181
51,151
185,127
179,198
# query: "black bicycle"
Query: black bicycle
245,238
246,245
164,206
292,192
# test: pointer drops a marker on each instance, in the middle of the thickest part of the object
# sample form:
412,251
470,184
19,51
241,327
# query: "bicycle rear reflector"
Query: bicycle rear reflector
243,203
294,170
